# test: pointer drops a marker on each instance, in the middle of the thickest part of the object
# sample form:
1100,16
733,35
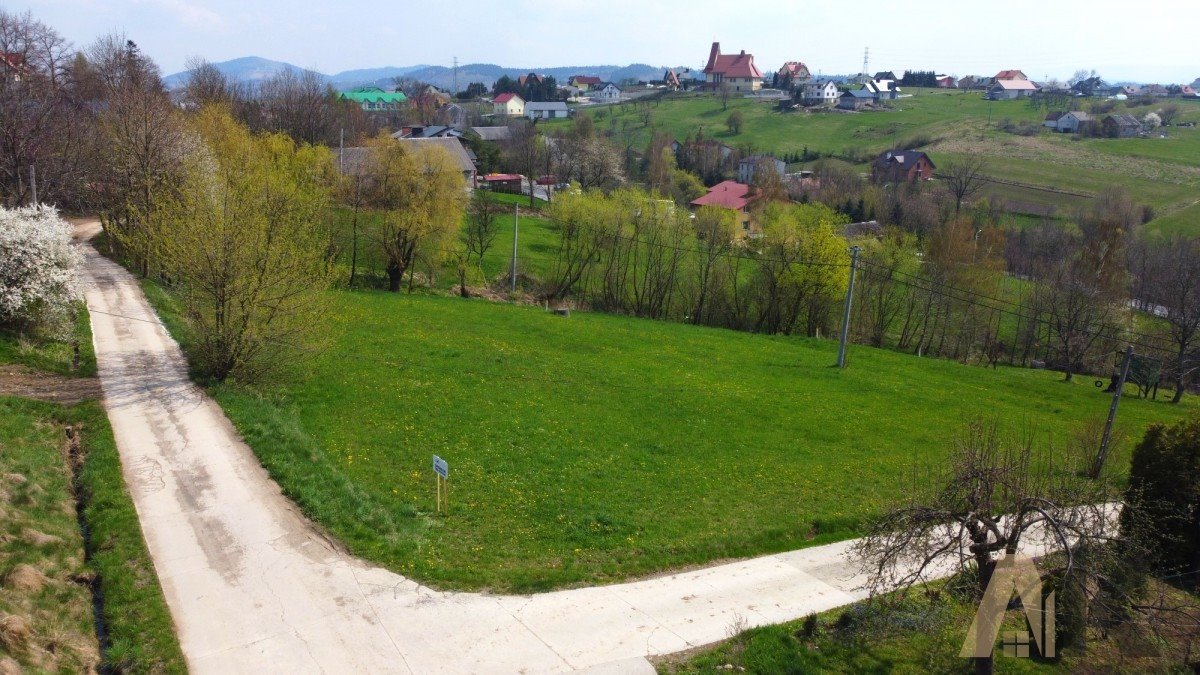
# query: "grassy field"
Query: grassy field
53,497
594,448
1162,172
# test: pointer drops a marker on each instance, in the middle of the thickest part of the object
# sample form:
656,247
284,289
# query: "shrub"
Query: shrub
1163,499
38,286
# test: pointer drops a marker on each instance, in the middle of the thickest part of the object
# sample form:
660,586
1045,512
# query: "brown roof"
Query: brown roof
731,65
1010,75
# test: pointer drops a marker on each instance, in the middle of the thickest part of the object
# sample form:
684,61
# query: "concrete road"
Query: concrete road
255,588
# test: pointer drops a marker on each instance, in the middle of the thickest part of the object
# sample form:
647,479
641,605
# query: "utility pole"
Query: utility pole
341,149
841,362
866,60
516,229
33,182
455,76
1112,413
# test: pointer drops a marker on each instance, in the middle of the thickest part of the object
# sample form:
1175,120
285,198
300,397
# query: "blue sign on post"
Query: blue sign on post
441,467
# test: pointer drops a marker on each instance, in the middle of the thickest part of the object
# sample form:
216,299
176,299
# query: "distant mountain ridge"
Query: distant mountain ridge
254,69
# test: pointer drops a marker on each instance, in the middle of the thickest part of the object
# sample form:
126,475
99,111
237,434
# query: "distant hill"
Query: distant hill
254,69
245,69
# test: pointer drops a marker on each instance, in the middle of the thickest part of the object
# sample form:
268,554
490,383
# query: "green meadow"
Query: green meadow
595,448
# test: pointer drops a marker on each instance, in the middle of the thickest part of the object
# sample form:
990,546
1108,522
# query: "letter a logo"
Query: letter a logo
1013,573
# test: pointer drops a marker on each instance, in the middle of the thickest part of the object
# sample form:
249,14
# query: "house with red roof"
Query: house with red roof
509,105
1010,75
896,166
792,75
735,71
734,196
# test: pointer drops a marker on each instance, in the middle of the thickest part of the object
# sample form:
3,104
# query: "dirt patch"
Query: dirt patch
9,666
21,381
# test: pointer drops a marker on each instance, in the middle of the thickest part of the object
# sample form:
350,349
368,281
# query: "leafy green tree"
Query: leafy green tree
735,121
420,196
242,244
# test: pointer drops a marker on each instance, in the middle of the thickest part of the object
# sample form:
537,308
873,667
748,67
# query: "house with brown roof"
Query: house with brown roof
735,71
895,166
734,196
671,80
1121,126
584,82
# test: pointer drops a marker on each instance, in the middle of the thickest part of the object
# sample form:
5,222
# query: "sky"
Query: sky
1144,41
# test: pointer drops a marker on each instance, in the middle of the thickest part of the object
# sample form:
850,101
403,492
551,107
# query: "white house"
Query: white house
607,93
821,93
548,110
510,105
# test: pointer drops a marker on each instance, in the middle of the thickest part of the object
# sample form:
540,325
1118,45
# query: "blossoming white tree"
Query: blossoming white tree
38,285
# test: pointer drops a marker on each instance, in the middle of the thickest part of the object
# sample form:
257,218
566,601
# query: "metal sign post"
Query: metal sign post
442,469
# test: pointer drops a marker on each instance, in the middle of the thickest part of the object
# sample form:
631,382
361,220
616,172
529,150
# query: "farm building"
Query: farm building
548,110
1052,119
855,100
1121,126
1013,74
946,82
1071,122
736,71
902,165
504,182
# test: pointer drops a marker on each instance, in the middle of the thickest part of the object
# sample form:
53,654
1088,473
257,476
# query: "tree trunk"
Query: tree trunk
395,277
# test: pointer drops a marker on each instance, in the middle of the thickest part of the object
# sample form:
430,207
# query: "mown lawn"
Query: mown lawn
592,448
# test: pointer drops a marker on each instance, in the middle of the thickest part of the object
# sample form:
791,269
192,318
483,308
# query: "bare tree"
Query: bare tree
965,178
724,91
1174,287
207,85
478,235
992,500
42,122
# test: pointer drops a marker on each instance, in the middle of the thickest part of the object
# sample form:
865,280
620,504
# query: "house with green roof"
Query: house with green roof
374,99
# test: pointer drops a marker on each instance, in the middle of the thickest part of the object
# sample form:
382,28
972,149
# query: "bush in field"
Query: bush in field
1163,500
37,270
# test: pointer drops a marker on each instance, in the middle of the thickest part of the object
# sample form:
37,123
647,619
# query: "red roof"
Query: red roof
503,177
14,60
586,79
504,98
793,67
731,65
1010,75
727,195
